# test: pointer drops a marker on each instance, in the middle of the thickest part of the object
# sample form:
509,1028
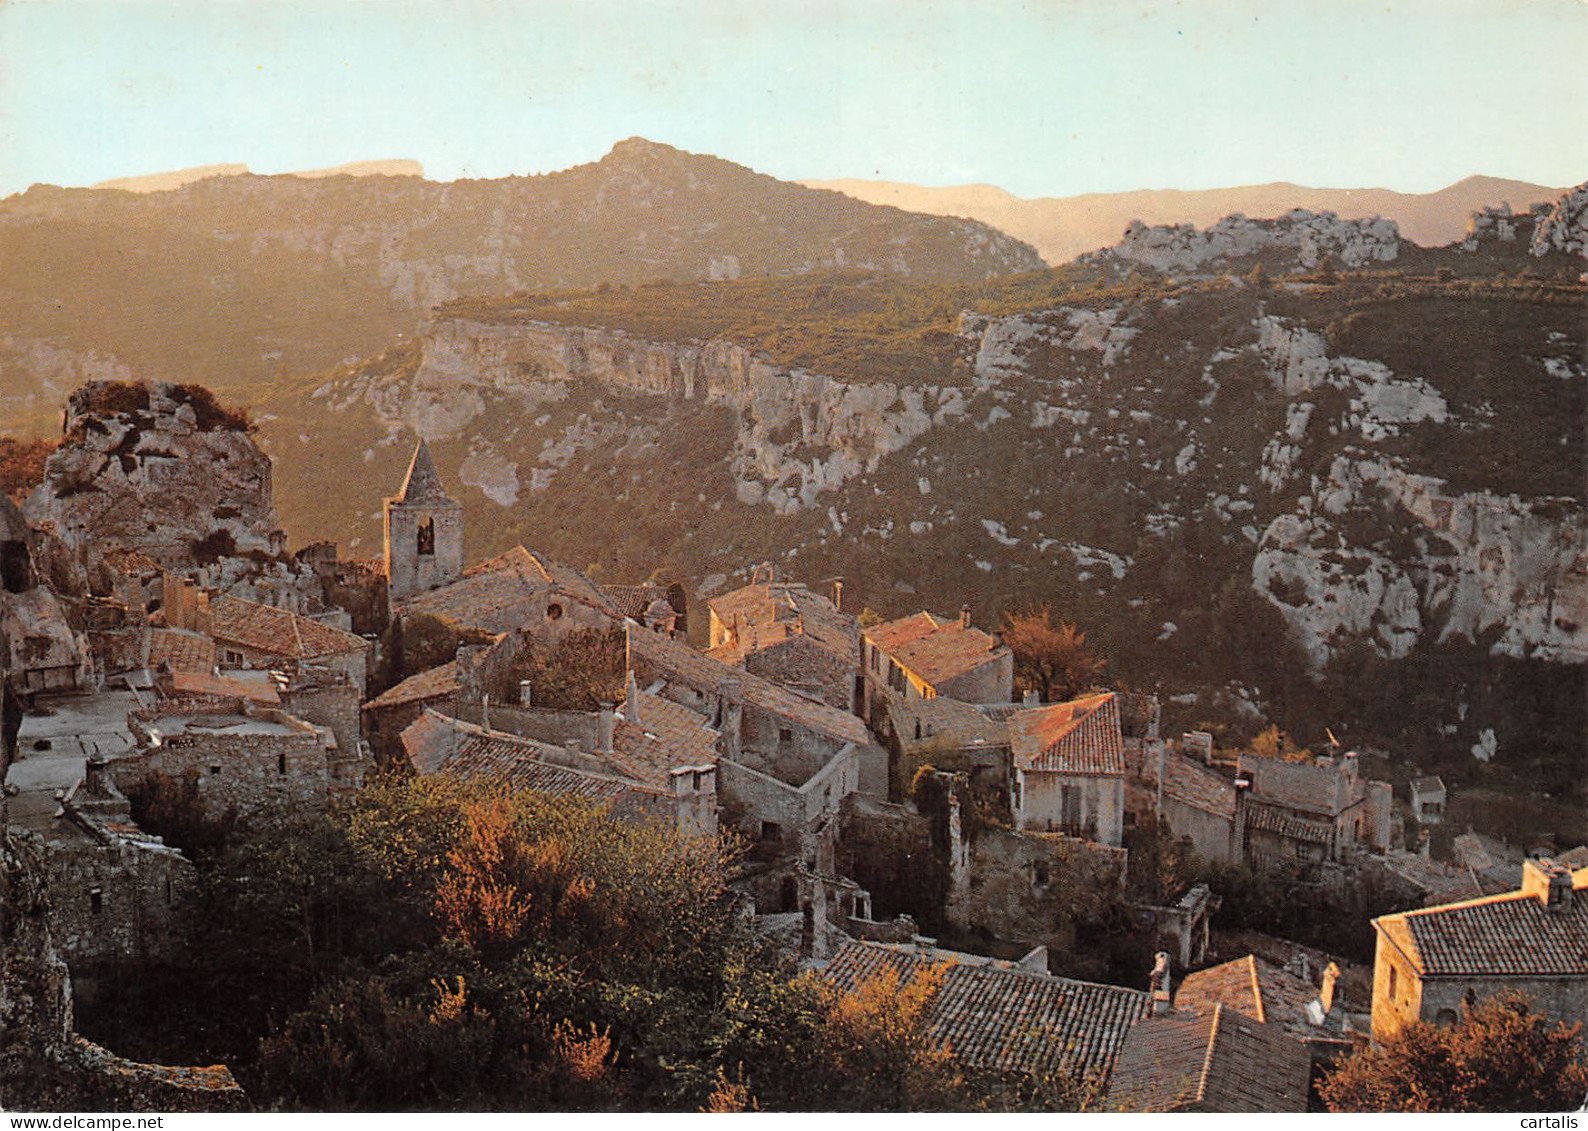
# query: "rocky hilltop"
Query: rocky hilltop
234,280
159,469
1299,236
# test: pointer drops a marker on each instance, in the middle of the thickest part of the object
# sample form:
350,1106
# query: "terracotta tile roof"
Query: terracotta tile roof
765,614
700,671
1511,935
437,744
665,736
1219,1061
1003,1019
432,684
1278,821
1191,783
423,482
944,720
277,632
220,686
496,595
1080,737
633,600
1438,882
897,633
184,651
126,561
941,653
1256,989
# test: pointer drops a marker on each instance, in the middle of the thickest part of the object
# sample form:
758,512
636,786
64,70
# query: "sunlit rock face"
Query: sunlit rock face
1564,227
1306,236
151,469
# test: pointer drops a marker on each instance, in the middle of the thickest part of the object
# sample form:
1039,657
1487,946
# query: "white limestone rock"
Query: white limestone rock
1564,227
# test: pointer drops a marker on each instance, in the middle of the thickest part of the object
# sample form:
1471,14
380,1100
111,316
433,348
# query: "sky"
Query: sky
1039,97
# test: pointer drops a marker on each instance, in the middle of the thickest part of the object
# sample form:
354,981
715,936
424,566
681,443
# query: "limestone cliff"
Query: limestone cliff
1302,236
1564,227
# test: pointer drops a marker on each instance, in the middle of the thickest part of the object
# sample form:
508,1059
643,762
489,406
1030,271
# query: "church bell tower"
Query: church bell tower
424,532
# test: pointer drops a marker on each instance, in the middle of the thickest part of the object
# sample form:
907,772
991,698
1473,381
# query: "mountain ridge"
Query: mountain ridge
1061,228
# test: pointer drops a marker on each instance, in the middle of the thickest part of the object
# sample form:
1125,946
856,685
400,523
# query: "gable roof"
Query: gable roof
422,484
993,1016
766,613
431,684
438,744
1217,1061
496,595
1255,989
278,632
634,601
1509,935
700,671
1079,737
944,720
1191,783
184,651
935,649
663,736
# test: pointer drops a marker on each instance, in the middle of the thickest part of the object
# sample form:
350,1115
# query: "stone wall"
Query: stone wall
1101,808
115,900
809,668
259,778
992,682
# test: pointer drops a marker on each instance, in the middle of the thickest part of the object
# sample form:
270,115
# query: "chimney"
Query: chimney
964,616
924,944
631,699
838,593
1031,698
604,727
1243,786
732,717
1331,974
526,696
1161,996
1548,882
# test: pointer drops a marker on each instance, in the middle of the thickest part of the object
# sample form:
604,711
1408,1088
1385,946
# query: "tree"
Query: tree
1501,1057
1051,659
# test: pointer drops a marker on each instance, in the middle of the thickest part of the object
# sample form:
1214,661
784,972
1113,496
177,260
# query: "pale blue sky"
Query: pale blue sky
1041,97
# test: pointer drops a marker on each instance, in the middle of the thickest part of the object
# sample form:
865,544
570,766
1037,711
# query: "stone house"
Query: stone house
784,632
259,765
923,656
1009,1018
1217,1060
1300,813
1429,961
1308,1014
1198,802
517,591
787,760
949,735
39,651
1069,769
1428,800
660,608
683,797
114,888
250,635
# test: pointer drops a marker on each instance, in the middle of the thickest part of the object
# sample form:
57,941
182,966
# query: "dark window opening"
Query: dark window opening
281,764
427,537
215,768
96,901
554,611
788,897
16,569
785,735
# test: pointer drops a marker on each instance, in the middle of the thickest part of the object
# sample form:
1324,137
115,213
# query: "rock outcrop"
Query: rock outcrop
1564,227
1306,236
159,469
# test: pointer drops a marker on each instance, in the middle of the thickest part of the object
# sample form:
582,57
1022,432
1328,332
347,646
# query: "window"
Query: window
215,768
426,537
554,611
785,735
281,764
1394,980
233,658
96,901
